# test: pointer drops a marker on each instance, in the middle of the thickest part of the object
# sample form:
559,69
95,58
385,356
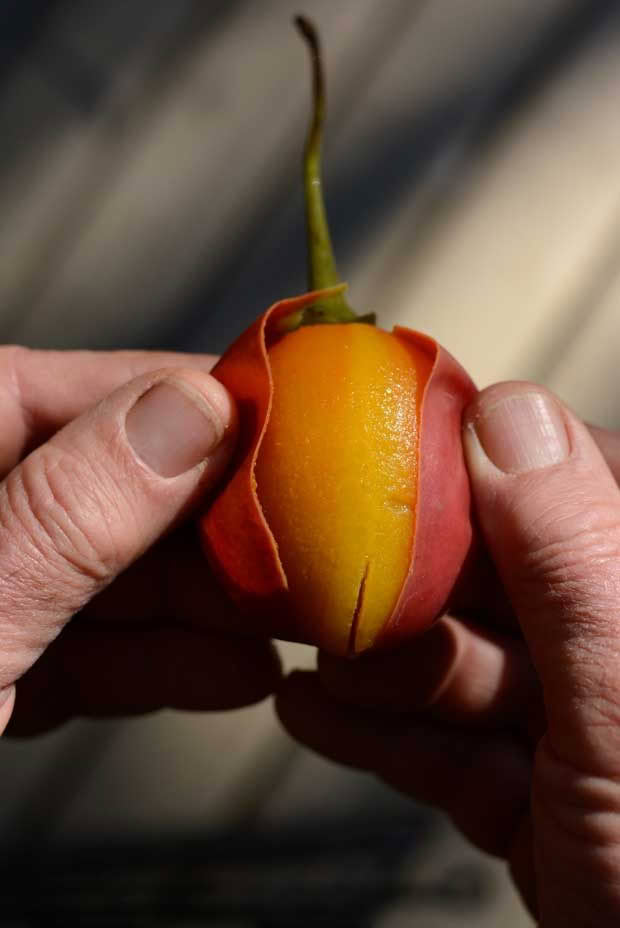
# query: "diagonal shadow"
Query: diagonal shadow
269,260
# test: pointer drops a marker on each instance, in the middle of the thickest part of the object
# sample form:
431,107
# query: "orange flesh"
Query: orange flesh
337,474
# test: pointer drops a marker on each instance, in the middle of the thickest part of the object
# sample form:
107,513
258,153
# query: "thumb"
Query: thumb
549,509
83,506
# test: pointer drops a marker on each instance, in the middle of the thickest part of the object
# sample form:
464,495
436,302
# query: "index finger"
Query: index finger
40,391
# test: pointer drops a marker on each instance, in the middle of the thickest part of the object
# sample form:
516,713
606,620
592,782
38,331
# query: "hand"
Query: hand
512,729
102,455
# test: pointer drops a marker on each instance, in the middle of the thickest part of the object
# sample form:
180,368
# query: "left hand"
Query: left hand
107,605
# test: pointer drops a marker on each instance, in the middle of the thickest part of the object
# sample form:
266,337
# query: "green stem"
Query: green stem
321,263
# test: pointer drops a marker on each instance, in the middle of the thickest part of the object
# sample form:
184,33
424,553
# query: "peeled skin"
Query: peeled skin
346,519
337,476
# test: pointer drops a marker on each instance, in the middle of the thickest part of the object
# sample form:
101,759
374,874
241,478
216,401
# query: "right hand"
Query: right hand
514,732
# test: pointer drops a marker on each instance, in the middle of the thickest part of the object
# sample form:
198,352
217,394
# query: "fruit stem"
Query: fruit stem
322,270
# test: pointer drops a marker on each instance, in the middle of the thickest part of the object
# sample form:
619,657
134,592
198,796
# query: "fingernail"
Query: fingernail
522,432
172,428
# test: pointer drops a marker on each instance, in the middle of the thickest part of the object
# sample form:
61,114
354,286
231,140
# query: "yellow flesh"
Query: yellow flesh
337,474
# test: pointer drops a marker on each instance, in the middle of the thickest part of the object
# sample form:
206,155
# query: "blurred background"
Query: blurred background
150,196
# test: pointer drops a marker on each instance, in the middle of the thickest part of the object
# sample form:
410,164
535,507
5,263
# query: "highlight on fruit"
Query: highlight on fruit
345,522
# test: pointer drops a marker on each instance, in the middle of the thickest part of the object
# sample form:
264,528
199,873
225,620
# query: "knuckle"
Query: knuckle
582,806
569,568
59,507
60,544
572,551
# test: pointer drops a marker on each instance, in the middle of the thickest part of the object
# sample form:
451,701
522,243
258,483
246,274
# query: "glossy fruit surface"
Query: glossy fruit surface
337,475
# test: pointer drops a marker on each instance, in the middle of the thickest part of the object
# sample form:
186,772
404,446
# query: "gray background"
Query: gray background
150,197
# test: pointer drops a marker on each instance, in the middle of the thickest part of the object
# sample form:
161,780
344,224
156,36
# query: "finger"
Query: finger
609,445
82,507
7,701
550,512
102,672
480,780
549,508
480,593
40,391
456,672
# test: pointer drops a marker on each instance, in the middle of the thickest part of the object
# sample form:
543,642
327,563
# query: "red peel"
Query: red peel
238,540
443,533
235,534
